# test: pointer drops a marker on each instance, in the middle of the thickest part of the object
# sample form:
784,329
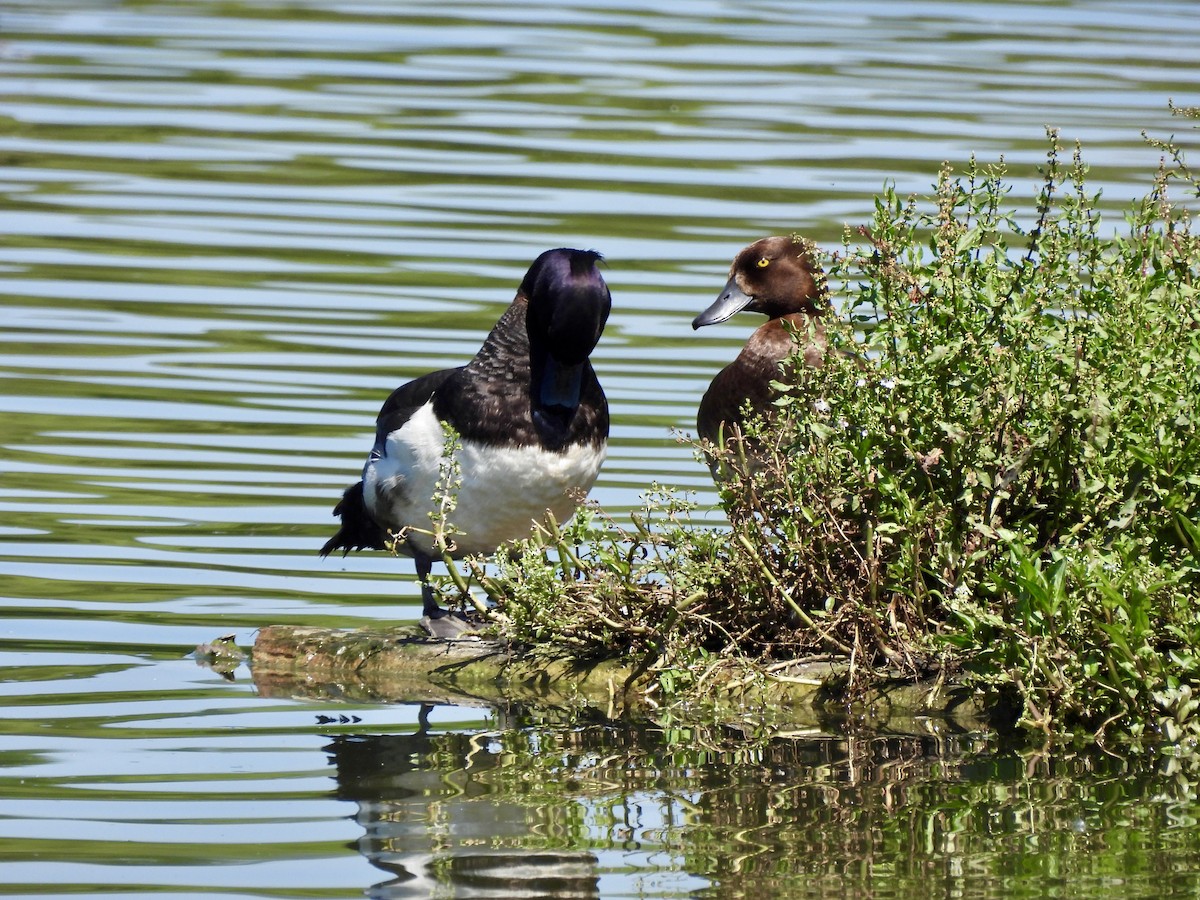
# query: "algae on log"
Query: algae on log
404,665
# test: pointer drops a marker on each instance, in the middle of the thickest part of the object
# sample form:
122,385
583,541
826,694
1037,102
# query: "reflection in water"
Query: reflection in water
431,819
575,811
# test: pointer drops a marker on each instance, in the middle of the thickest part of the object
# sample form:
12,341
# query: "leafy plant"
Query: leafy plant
993,476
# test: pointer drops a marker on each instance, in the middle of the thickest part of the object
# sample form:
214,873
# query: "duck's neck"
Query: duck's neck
777,339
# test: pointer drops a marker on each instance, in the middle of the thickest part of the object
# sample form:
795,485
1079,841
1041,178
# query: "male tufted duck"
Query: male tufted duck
532,422
779,277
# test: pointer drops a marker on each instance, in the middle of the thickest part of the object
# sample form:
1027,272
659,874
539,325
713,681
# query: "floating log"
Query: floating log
404,665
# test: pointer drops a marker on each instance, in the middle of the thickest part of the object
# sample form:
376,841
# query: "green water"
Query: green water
227,230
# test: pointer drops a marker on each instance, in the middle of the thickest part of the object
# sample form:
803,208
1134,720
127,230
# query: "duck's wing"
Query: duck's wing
359,530
406,400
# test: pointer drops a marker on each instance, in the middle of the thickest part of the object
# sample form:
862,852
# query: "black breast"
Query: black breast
490,401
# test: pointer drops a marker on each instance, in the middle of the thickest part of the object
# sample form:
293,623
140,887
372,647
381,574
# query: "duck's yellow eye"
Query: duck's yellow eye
763,263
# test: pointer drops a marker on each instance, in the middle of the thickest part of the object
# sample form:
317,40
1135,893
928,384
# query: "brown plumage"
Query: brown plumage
779,277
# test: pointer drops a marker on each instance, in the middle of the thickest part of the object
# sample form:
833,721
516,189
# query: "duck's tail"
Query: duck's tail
358,530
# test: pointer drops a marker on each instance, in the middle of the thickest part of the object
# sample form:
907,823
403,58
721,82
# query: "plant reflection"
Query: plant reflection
545,809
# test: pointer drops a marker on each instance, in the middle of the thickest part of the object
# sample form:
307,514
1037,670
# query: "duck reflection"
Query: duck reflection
433,819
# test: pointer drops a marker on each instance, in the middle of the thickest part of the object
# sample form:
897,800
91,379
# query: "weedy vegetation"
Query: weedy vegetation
1000,488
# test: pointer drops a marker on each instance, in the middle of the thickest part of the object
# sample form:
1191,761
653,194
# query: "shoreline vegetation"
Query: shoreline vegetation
998,494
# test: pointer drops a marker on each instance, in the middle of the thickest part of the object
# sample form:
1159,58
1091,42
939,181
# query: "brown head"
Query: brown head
776,276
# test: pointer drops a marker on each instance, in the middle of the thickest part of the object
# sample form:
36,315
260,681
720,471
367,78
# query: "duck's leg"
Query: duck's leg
440,623
429,606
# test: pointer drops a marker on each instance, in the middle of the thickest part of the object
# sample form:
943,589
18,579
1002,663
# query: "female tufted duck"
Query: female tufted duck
779,277
532,422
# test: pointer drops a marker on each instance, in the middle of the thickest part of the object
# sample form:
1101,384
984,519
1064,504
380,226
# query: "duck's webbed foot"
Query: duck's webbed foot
443,624
447,625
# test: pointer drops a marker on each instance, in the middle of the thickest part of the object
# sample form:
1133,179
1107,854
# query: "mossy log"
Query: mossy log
402,665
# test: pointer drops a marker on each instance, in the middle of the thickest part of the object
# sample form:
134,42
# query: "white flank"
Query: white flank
504,490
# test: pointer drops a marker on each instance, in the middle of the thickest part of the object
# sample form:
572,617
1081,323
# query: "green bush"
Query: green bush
999,485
